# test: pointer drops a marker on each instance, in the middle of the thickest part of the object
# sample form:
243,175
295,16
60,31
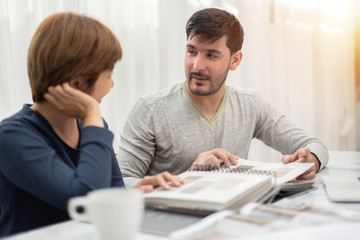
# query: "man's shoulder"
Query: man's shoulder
242,93
165,95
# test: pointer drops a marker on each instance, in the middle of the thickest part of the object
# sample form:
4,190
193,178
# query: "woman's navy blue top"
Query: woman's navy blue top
39,172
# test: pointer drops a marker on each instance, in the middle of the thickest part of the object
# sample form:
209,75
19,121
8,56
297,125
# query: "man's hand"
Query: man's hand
75,103
148,183
216,156
303,155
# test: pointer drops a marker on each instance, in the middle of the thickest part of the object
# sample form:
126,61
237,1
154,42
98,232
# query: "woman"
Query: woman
60,147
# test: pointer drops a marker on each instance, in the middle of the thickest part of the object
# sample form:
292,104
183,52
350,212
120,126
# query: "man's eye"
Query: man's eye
191,51
212,56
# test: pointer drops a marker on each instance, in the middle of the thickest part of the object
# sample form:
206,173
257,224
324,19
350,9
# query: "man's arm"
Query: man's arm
279,133
137,144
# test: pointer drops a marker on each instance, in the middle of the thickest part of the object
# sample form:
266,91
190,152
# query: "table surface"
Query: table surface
340,163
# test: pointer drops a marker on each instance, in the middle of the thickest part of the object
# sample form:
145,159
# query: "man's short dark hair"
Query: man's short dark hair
212,23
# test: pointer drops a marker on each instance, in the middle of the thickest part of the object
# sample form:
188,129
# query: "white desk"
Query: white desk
340,163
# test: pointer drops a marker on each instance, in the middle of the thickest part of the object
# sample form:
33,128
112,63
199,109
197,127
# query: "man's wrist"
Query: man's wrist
317,162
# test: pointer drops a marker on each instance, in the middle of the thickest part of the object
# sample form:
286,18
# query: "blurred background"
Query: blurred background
302,55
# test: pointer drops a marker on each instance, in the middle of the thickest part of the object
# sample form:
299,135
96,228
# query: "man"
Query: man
167,130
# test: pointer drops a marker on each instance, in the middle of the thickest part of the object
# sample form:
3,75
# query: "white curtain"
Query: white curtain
297,53
300,54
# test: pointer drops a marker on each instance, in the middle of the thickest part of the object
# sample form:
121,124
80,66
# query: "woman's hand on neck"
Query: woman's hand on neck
75,103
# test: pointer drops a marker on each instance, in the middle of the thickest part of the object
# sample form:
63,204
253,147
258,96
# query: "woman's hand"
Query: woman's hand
75,103
164,180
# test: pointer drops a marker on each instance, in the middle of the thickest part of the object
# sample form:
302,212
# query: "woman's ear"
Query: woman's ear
74,84
78,83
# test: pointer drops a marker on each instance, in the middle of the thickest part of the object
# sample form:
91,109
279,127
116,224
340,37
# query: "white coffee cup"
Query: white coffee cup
116,212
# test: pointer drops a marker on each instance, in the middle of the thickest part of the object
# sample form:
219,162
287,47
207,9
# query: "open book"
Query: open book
205,192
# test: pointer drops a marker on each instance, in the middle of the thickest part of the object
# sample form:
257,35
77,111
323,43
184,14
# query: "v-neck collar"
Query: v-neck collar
211,122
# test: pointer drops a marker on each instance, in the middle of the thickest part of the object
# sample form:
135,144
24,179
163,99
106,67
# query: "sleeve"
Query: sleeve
279,133
137,144
31,163
116,175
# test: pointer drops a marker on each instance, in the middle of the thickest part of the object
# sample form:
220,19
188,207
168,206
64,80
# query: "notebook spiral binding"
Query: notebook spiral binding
239,169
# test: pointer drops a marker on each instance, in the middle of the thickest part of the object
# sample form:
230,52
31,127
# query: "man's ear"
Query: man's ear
235,60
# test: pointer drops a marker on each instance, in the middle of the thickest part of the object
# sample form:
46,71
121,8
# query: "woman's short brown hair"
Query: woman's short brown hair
67,46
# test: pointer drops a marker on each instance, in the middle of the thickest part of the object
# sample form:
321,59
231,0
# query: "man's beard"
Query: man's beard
215,85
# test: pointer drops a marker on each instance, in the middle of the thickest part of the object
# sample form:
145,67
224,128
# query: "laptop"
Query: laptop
342,188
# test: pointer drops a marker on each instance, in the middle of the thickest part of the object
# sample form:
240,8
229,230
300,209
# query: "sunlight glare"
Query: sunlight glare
328,7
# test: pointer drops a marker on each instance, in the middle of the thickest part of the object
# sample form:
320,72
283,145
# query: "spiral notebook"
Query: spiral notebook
207,189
